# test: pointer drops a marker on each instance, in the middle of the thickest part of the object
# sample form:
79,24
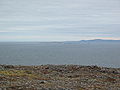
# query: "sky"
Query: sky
59,20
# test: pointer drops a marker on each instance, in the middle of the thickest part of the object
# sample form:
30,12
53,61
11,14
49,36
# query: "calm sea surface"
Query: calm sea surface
59,53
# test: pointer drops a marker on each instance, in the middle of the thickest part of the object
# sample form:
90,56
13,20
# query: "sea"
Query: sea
59,53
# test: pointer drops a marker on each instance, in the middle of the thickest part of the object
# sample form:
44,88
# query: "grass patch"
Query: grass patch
18,73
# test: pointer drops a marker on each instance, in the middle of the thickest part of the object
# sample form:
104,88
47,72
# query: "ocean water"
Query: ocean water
36,53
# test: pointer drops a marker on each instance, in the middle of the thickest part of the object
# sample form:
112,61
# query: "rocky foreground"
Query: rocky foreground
59,77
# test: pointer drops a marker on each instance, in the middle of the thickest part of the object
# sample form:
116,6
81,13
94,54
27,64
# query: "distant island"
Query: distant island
94,41
100,40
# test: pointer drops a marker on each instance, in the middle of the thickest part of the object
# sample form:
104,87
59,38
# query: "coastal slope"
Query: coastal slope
59,77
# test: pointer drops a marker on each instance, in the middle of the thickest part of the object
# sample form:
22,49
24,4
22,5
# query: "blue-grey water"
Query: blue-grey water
104,54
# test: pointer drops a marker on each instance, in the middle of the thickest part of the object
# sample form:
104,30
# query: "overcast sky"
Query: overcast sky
59,20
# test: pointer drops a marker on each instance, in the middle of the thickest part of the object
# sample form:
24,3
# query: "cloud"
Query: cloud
52,37
59,19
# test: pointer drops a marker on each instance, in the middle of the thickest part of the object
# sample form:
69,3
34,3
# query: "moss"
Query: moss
18,73
29,78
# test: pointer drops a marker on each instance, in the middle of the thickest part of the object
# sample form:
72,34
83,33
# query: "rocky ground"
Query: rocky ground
59,77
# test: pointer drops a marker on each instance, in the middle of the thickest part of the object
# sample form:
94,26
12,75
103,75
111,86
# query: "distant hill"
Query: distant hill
100,40
93,41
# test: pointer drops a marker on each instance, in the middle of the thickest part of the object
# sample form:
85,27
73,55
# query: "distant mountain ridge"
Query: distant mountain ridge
94,41
100,40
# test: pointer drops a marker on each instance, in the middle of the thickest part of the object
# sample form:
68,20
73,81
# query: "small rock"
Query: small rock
42,82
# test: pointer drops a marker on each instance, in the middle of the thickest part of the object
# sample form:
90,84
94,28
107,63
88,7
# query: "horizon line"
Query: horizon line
62,40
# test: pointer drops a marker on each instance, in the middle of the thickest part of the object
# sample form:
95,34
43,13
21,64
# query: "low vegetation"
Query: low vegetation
59,77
